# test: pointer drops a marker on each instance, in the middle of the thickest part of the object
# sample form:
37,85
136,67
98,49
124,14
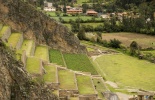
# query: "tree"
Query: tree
81,34
133,47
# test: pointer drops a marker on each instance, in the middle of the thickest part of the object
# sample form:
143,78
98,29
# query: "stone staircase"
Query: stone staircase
66,83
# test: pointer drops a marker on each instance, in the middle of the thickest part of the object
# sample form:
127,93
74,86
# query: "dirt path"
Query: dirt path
123,96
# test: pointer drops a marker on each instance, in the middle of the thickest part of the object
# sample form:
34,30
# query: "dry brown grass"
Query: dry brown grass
144,41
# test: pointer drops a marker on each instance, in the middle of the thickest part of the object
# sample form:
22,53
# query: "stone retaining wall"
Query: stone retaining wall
68,93
6,35
90,97
33,49
19,43
24,58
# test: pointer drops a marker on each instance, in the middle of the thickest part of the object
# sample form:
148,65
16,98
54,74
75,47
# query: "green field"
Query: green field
127,71
85,85
79,62
56,57
81,1
42,53
27,46
69,26
33,65
13,39
94,25
67,80
100,87
50,76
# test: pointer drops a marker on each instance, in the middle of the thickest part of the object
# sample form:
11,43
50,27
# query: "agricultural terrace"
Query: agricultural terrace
14,38
85,85
127,71
92,24
68,26
67,80
33,65
50,76
79,62
27,46
42,53
74,98
100,87
3,30
143,40
56,57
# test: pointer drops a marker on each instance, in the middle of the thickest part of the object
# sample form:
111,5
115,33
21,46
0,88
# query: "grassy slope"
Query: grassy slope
128,70
13,39
79,62
33,65
66,79
55,57
42,53
27,45
85,85
50,75
4,28
100,87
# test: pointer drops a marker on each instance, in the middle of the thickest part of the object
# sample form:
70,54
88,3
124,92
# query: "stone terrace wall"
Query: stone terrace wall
23,17
19,43
33,49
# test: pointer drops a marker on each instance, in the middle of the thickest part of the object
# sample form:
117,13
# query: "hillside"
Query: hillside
16,84
23,17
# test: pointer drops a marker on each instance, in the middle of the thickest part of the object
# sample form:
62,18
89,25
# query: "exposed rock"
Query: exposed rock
15,83
23,17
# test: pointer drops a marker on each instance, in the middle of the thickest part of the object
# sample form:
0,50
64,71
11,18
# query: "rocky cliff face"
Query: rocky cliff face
23,17
15,83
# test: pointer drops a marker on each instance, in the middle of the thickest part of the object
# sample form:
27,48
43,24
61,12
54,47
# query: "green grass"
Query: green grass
33,65
50,75
69,26
56,57
92,24
14,38
2,31
100,87
27,46
79,62
67,80
127,71
42,53
81,1
149,52
85,85
74,98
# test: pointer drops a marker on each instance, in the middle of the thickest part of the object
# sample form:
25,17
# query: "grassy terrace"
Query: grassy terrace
79,62
2,31
67,80
42,53
50,75
56,57
33,65
128,71
100,87
13,39
74,98
27,46
85,85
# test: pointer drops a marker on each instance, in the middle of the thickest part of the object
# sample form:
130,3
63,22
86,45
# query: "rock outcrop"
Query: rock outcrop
23,17
15,83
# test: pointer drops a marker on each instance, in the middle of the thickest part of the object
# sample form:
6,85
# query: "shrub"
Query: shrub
114,43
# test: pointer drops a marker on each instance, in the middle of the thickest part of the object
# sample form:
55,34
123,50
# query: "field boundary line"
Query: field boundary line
63,59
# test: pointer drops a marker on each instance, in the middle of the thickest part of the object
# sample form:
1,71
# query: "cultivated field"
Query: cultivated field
144,41
14,38
85,85
127,71
27,46
42,53
79,62
56,57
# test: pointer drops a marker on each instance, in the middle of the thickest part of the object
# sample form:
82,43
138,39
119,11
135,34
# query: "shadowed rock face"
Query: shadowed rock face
23,17
15,83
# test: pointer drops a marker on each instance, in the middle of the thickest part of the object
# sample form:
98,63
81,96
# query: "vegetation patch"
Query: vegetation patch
99,86
42,53
56,57
14,38
3,30
85,85
79,62
27,46
127,71
50,76
67,80
33,65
